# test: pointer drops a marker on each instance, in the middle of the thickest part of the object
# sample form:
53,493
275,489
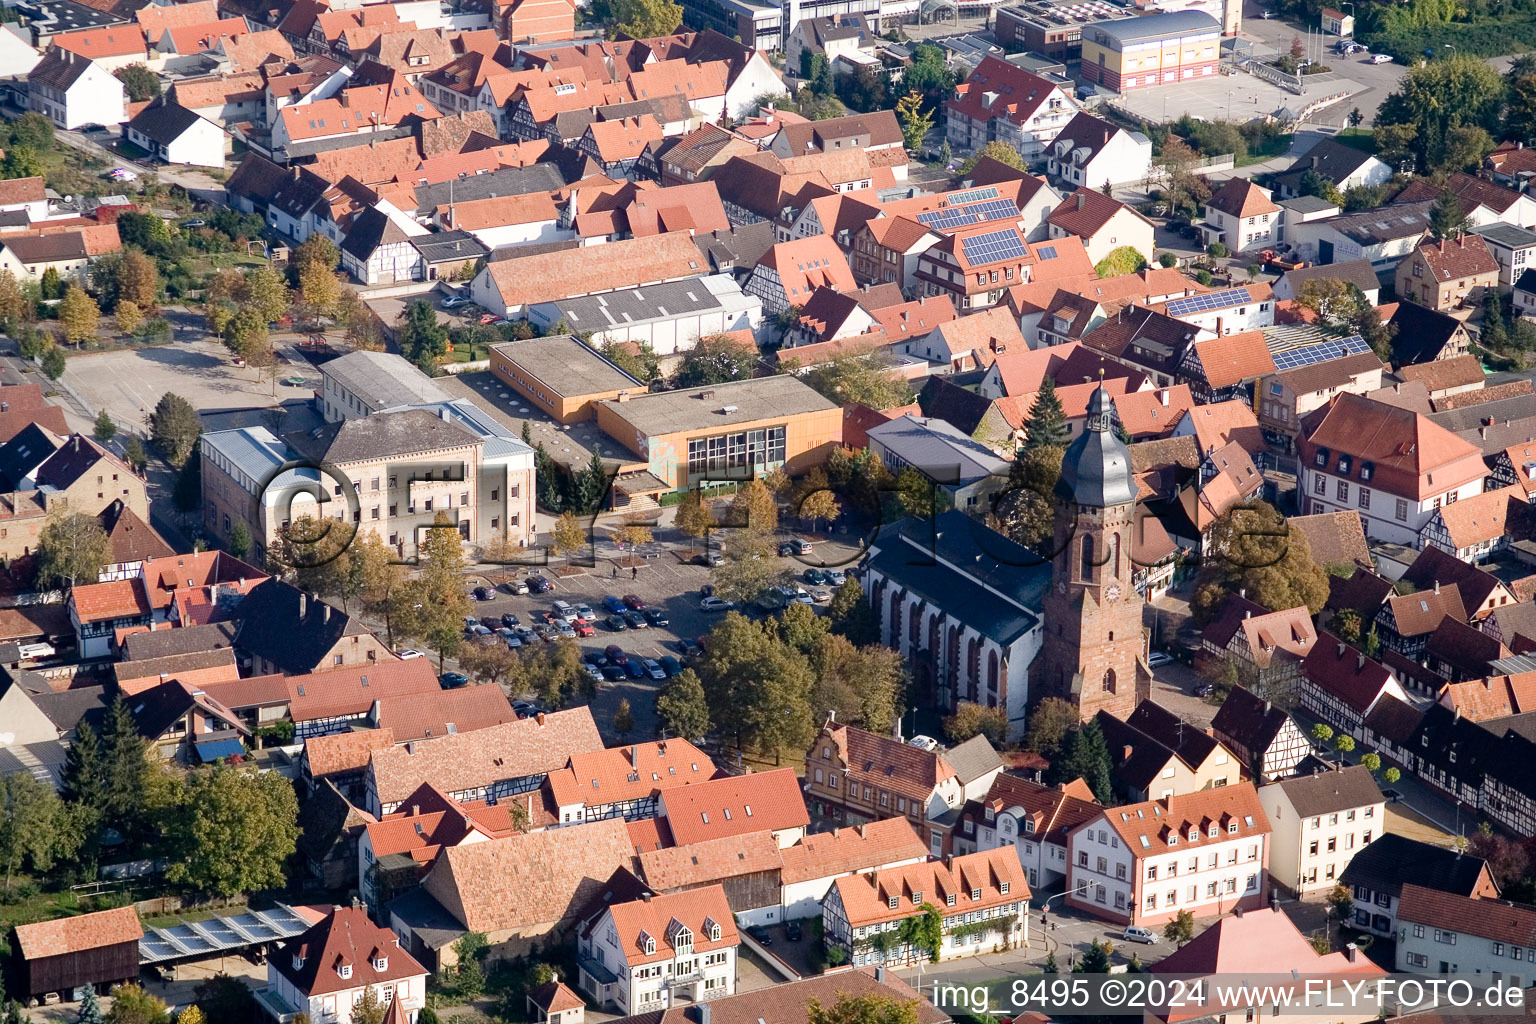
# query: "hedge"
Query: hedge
1487,38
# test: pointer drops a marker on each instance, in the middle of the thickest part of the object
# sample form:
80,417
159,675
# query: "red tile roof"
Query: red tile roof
353,691
1000,89
1345,672
77,934
1234,358
858,848
1241,198
1468,256
1410,455
1146,827
22,190
1154,412
866,897
1263,941
345,939
1490,919
118,599
735,805
631,772
1085,212
714,860
1494,697
659,919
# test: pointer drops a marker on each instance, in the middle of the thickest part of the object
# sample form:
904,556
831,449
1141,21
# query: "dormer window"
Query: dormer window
1232,829
975,895
1194,835
1173,839
1344,463
298,961
647,943
1322,456
1214,831
712,929
381,964
917,898
344,970
1003,887
1366,469
893,902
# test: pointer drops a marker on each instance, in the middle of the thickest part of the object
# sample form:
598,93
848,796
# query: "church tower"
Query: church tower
1093,654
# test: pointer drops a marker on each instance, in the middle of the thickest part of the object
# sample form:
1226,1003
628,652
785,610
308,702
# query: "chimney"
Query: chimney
879,977
443,414
1359,662
1125,752
1080,199
1238,911
1351,951
1341,651
325,613
703,1013
415,810
539,718
1437,586
1248,614
646,897
1162,396
303,604
1219,322
1267,707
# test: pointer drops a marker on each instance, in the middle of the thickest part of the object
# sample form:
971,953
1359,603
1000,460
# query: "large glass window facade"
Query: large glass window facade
723,453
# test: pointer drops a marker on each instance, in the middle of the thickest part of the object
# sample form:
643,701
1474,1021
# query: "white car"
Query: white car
1380,58
455,301
408,653
821,595
653,669
716,604
1136,933
926,743
1159,658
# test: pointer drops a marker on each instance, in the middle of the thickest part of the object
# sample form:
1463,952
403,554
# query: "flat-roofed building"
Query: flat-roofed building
561,374
724,431
1154,49
363,383
671,317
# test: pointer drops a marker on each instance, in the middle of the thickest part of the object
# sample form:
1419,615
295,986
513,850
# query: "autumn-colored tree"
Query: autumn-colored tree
694,516
79,314
568,536
15,307
128,317
138,280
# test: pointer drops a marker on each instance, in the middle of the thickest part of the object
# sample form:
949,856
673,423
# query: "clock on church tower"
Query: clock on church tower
1094,653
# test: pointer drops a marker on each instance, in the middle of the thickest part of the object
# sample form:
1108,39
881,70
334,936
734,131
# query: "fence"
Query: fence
1289,81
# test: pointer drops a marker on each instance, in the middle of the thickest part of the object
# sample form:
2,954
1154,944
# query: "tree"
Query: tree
916,123
1049,725
1026,510
1181,929
1127,259
1342,902
1183,189
265,294
421,338
1085,755
90,1008
370,1009
863,1009
972,719
1322,732
174,427
234,830
1441,115
132,1005
1342,307
591,484
1391,776
54,362
863,685
1448,219
1343,743
645,19
638,359
754,509
79,315
319,287
623,719
1371,762
188,492
84,774
316,251
129,317
694,516
489,662
682,708
1095,959
436,596
917,495
568,536
1252,548
715,359
22,162
71,548
239,543
191,1015
105,429
36,828
1047,423
758,684
865,377
32,129
133,452
851,616
15,306
140,82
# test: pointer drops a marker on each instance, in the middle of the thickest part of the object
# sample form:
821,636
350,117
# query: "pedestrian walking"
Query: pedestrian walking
634,572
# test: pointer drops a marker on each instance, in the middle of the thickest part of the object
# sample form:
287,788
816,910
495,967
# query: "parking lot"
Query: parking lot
128,383
667,583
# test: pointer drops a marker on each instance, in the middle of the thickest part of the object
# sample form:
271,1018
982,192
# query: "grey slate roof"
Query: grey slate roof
1327,792
973,759
1330,158
383,379
447,246
509,181
165,643
1385,223
1391,861
610,309
163,121
1096,469
407,432
938,450
1511,236
1154,26
1356,272
272,627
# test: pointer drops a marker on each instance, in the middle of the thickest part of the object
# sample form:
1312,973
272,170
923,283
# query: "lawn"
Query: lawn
1276,145
1363,139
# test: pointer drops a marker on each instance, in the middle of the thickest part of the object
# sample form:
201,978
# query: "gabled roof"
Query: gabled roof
1336,538
1404,448
345,939
1420,333
1418,614
344,751
1392,860
1000,89
1249,721
735,805
163,121
1467,256
1146,827
1086,211
1484,517
1490,919
1234,358
1241,198
648,929
1345,673
1481,700
666,867
65,935
1434,566
857,848
995,876
631,772
1330,158
351,691
1263,941
1326,792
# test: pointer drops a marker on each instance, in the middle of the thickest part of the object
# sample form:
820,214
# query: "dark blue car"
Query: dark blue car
614,605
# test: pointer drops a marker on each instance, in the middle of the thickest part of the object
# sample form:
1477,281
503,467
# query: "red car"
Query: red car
487,319
633,603
583,628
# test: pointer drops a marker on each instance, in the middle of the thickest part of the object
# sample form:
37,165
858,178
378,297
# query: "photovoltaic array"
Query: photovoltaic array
993,246
1206,303
959,216
973,195
1322,351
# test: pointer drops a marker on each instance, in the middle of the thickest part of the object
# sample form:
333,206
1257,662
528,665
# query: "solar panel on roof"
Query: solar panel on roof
995,209
1209,301
1046,252
993,246
1322,351
973,195
943,220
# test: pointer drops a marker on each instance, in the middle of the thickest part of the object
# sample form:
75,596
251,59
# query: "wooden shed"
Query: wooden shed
70,952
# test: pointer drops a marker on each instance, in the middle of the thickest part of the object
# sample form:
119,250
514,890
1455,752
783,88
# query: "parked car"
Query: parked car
517,587
821,595
483,594
761,934
716,604
636,620
584,611
1159,658
513,641
455,301
584,627
525,708
1137,933
796,546
926,743
476,630
1204,690
452,680
486,319
491,622
633,602
689,648
670,665
616,623
634,668
564,612
404,654
792,931
195,222
525,634
539,585
510,619
657,618
614,673
814,576
616,654
653,669
566,630
1380,58
546,632
836,577
93,129
595,673
613,604
707,558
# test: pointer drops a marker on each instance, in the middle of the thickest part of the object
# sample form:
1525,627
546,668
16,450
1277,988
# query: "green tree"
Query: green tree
1026,510
917,495
84,776
436,596
645,19
864,377
132,1005
421,338
1127,259
1322,732
1448,219
140,82
929,74
22,162
970,719
916,123
639,360
174,427
758,684
31,129
1181,929
265,294
1049,725
234,830
1391,776
1085,755
71,548
16,307
128,318
682,708
52,287
1095,960
715,359
694,516
863,1009
36,828
188,492
592,484
124,754
134,453
623,719
1252,548
1046,426
1343,743
864,685
105,429
370,1009
79,314
851,616
54,362
1342,902
1442,114
239,543
1371,762
1001,152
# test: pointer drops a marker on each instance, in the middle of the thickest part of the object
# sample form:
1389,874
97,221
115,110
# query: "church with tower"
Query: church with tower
1093,652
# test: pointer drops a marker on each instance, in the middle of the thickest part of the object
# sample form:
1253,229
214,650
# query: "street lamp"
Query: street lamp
1044,906
1229,104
